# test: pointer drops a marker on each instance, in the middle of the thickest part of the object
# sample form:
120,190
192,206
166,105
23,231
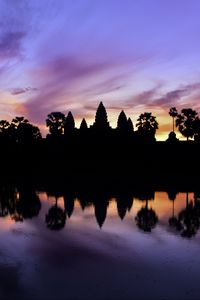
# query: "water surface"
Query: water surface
100,249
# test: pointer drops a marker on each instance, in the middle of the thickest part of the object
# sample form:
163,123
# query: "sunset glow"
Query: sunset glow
70,55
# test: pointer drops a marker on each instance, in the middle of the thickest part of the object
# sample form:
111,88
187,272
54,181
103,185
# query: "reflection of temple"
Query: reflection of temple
100,207
124,203
23,203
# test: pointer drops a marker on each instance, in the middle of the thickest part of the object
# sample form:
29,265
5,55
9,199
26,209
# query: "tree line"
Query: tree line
59,125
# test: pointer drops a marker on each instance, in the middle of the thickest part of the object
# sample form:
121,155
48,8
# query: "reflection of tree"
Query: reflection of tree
56,217
172,196
146,218
188,220
19,203
28,204
4,206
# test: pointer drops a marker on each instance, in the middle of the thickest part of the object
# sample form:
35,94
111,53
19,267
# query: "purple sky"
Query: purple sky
61,55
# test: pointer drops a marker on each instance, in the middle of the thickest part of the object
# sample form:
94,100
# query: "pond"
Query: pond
58,246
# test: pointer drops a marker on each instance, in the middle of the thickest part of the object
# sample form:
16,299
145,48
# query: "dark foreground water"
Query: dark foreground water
109,250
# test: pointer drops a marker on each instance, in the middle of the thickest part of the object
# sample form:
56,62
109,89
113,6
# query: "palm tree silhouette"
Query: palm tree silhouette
186,122
146,218
147,124
173,113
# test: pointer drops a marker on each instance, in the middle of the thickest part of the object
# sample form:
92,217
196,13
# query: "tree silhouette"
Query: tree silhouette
55,122
27,133
18,120
173,113
101,119
56,217
147,125
197,130
4,125
4,130
21,131
186,122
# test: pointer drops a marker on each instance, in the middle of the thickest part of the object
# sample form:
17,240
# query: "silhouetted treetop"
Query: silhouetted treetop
55,122
18,120
27,132
20,130
186,122
147,122
4,129
173,113
4,125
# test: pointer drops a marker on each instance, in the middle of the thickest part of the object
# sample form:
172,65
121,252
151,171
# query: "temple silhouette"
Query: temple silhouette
99,153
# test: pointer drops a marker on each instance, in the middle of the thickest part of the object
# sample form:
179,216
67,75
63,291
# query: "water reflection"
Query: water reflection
21,202
187,222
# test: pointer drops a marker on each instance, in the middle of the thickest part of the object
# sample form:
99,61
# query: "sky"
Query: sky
68,55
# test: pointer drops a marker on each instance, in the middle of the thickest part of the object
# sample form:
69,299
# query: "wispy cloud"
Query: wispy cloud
18,91
174,97
155,98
